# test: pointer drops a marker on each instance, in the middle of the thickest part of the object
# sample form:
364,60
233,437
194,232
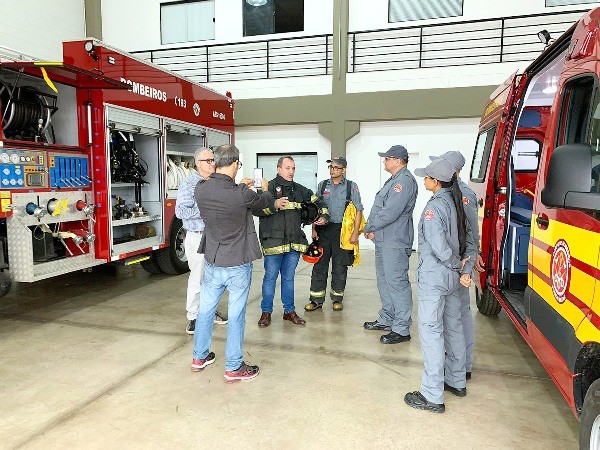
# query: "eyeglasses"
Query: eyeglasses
240,164
335,168
210,161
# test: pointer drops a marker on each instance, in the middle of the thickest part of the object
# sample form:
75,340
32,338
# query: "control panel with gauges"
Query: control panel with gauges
23,169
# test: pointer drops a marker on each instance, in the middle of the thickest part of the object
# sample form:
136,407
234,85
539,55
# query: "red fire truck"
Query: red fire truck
92,151
536,173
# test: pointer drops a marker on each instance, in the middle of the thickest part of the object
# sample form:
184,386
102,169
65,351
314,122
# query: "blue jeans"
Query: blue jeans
237,282
285,263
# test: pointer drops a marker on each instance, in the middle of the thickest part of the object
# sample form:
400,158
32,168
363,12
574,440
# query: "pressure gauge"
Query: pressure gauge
4,158
14,158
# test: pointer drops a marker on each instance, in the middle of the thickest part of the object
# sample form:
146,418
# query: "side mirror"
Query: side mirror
568,180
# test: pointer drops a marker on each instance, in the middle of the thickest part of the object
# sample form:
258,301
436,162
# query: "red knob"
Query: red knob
80,205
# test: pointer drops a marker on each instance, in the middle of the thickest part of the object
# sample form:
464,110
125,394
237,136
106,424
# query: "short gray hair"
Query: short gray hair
199,151
226,155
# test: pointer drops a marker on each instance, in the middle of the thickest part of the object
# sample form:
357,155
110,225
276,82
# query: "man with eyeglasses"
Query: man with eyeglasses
187,210
337,192
390,226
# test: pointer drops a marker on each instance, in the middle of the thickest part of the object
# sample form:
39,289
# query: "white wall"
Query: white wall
373,14
275,87
135,24
38,28
420,137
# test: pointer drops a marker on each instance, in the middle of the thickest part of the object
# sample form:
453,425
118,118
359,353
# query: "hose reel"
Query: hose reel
26,113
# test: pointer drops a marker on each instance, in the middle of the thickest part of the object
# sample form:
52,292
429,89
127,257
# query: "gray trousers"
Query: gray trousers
468,325
391,266
432,318
454,342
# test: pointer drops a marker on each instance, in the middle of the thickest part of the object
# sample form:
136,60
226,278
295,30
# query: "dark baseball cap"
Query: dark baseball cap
456,159
338,160
440,169
395,151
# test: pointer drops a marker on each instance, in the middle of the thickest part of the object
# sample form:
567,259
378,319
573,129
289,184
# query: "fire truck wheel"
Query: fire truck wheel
5,283
487,303
151,265
589,431
172,259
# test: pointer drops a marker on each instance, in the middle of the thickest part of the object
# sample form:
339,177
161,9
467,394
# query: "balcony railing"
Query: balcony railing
506,39
275,58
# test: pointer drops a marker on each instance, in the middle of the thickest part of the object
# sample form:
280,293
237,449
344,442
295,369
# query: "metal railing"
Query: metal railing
505,39
274,58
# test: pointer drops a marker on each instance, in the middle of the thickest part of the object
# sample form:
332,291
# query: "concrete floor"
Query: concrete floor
101,360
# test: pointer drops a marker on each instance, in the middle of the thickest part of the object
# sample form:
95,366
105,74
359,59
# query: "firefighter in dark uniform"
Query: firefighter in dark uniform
283,241
337,192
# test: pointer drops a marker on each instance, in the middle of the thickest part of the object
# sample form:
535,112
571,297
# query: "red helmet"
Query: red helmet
313,253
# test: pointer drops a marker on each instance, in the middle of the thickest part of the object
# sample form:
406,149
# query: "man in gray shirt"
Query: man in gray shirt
390,225
337,192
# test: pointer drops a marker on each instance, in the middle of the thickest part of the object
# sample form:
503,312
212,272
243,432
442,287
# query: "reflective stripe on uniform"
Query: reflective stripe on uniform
292,205
317,294
337,294
301,248
267,211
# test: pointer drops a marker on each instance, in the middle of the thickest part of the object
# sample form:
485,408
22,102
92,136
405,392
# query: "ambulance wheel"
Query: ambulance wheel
151,265
172,259
5,283
589,431
487,303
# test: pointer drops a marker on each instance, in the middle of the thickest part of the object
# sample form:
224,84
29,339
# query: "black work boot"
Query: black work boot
394,338
418,401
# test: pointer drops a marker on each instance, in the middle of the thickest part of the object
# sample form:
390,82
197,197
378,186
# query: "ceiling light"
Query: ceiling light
256,2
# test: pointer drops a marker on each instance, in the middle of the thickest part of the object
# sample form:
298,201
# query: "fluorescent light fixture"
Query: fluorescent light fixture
256,2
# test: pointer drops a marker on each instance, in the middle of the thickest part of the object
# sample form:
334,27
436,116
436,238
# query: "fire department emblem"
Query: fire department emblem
278,190
326,192
398,188
196,109
465,201
560,270
429,214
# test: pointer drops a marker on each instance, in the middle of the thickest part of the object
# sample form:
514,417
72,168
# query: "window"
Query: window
530,118
526,155
187,21
580,121
272,16
575,112
481,155
568,2
306,167
406,10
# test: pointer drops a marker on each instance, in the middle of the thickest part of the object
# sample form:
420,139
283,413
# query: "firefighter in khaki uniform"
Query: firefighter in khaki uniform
337,192
390,225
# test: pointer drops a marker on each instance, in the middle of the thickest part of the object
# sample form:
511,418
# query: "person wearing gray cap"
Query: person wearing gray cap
390,225
446,258
337,192
470,205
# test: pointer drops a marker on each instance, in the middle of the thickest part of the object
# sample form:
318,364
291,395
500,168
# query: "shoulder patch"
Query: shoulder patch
398,188
429,214
327,191
465,200
356,187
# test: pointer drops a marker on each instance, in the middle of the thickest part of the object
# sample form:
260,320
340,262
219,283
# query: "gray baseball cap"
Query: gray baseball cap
338,160
455,158
440,169
395,151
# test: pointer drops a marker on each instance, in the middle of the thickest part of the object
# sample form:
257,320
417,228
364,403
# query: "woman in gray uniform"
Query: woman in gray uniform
446,258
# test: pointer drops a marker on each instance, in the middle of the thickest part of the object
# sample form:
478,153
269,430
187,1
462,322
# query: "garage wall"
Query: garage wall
38,28
421,138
